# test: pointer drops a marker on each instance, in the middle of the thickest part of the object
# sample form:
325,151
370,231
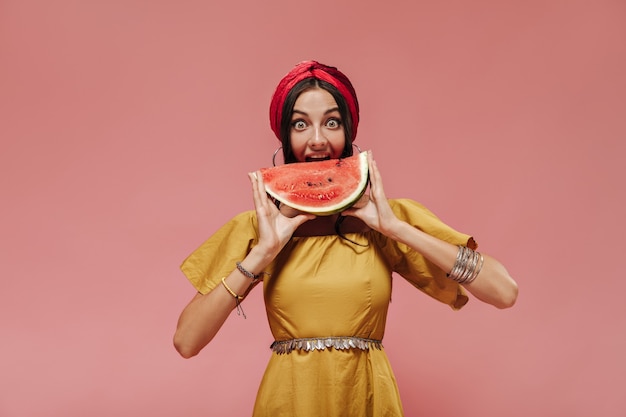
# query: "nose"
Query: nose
318,140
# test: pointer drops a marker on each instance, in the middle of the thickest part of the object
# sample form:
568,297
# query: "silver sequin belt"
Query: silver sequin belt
321,343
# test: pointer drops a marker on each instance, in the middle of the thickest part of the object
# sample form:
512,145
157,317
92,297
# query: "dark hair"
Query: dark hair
290,101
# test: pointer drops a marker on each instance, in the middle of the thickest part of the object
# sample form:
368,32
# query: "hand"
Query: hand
275,229
374,209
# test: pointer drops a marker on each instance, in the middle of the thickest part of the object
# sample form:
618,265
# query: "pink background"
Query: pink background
128,127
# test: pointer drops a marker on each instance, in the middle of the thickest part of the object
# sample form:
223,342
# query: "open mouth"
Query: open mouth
315,158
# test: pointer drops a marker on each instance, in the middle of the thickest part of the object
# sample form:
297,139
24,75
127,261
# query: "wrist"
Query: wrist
257,259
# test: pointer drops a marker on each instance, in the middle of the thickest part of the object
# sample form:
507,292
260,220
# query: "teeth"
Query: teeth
317,158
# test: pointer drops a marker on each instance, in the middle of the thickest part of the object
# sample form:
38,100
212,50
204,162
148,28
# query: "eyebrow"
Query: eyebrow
331,110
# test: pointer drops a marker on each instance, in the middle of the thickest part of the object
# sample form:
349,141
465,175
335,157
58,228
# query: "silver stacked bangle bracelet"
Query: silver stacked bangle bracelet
467,266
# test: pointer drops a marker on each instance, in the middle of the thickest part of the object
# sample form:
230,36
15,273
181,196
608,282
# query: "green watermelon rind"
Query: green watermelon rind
344,204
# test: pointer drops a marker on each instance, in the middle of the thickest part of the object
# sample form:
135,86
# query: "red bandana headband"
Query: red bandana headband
313,69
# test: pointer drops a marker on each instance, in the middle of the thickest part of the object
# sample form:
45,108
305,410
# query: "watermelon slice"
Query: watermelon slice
323,187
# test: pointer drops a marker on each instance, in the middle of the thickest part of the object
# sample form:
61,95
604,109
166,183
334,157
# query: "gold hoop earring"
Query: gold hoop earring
274,156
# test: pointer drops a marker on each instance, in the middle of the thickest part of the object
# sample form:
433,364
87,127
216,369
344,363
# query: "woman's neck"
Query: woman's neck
325,225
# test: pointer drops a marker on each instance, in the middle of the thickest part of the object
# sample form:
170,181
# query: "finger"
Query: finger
255,185
378,192
258,189
374,178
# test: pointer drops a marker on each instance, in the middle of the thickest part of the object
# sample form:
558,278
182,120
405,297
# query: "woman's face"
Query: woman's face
317,130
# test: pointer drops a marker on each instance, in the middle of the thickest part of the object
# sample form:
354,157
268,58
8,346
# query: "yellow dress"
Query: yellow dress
324,287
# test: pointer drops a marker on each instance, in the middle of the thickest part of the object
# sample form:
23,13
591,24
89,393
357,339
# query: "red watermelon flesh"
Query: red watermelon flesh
321,187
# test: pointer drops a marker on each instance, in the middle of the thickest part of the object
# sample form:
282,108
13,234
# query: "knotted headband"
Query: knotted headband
313,69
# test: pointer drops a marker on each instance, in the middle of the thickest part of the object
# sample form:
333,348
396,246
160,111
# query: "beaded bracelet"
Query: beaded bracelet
248,273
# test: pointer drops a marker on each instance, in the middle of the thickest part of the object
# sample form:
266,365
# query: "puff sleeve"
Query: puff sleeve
414,267
217,256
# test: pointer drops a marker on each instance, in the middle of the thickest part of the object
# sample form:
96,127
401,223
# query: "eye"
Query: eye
333,123
298,124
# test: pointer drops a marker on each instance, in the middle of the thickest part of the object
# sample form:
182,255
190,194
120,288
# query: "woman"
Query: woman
327,280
